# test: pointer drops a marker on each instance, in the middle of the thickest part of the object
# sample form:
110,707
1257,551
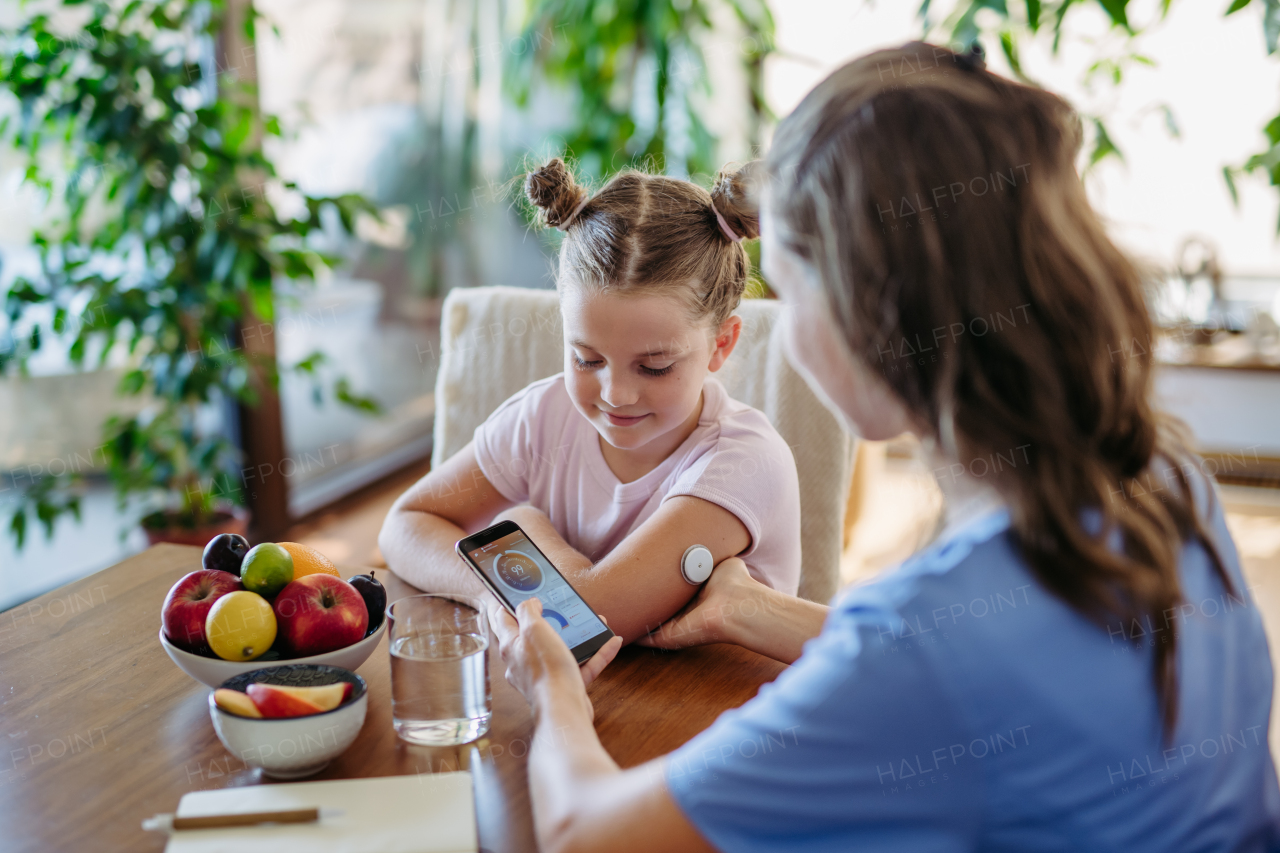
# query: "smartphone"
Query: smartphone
513,569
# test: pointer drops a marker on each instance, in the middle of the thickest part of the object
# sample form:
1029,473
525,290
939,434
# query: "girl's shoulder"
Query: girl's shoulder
541,411
545,398
739,449
738,422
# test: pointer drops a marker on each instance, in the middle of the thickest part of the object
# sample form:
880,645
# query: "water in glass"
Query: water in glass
440,678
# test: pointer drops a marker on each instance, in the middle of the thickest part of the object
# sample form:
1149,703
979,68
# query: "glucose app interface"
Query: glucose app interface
518,569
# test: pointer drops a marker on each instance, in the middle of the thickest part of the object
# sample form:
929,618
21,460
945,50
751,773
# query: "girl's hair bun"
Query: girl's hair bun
553,190
736,197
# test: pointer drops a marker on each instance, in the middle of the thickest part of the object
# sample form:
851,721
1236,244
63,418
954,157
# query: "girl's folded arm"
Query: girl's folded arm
418,536
638,586
538,527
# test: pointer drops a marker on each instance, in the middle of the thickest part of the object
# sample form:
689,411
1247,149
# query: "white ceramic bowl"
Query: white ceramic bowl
214,671
292,747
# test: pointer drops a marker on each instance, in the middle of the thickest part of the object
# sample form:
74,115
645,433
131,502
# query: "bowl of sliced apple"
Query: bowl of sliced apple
289,720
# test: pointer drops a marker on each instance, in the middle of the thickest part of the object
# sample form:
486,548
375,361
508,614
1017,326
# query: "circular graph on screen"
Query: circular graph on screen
518,570
552,616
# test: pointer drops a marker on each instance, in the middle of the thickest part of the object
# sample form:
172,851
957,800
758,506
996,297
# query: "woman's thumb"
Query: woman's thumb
528,610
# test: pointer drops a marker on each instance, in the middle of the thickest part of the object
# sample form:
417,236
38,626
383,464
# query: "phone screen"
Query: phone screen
518,570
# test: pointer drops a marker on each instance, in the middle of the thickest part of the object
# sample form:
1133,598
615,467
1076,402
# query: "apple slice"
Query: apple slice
327,696
275,701
235,702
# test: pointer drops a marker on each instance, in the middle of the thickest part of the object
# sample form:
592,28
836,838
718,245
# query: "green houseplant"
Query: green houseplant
1015,23
161,239
1268,160
613,57
618,55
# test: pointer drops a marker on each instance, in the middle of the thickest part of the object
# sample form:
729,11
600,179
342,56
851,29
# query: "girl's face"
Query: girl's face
859,399
634,364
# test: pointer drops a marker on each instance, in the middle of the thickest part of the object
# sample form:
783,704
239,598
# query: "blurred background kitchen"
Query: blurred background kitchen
226,232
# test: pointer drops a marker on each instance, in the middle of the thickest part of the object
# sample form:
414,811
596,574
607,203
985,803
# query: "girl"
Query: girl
635,452
1076,663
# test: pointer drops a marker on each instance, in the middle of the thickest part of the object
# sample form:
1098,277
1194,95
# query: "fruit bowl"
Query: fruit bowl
292,747
214,671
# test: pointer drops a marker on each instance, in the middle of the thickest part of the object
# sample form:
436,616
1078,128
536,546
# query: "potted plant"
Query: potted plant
617,57
642,53
164,237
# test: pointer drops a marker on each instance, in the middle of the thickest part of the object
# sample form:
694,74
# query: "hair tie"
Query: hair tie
724,226
974,58
564,226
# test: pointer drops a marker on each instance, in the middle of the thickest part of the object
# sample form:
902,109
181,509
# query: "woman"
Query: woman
1075,663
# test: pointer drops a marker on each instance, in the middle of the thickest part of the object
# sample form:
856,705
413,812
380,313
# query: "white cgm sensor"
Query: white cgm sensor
696,564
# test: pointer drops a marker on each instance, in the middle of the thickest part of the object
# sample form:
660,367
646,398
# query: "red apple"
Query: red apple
319,613
271,701
187,606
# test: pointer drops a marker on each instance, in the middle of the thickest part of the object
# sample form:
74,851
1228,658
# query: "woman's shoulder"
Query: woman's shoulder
978,555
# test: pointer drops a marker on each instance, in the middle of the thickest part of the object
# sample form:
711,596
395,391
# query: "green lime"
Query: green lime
266,569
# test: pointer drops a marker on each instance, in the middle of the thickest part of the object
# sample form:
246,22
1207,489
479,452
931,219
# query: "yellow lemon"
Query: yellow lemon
241,626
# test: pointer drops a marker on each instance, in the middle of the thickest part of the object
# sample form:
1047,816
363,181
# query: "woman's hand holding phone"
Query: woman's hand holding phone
537,658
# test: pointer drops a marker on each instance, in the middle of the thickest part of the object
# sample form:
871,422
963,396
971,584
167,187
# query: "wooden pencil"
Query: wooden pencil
248,819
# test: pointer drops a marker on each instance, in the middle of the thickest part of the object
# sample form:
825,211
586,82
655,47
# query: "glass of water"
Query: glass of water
439,669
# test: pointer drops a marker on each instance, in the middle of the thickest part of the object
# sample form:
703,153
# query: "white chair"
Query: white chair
497,340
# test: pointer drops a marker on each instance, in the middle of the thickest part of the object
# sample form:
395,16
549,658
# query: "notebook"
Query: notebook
423,813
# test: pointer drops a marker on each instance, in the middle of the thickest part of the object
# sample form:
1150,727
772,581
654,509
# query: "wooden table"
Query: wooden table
99,729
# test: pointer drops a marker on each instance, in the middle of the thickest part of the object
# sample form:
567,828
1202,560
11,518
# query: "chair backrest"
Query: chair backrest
497,340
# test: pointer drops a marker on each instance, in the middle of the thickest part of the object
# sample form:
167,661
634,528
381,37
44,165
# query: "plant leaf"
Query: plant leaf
1228,176
1103,147
1116,9
342,391
18,527
1010,49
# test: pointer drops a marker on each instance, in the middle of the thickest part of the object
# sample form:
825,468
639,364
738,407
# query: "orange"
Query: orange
308,561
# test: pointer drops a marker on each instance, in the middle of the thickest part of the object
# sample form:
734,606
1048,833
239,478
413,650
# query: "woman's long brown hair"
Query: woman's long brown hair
941,208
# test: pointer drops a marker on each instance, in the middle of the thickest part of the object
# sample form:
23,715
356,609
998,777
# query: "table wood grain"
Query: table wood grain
99,729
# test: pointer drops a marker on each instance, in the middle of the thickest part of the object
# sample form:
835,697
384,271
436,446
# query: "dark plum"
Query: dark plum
225,552
375,599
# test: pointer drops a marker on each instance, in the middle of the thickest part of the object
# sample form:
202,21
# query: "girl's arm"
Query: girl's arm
638,585
447,504
581,799
538,527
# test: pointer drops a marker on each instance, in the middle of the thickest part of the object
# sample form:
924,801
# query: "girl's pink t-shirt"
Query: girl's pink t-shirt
538,449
